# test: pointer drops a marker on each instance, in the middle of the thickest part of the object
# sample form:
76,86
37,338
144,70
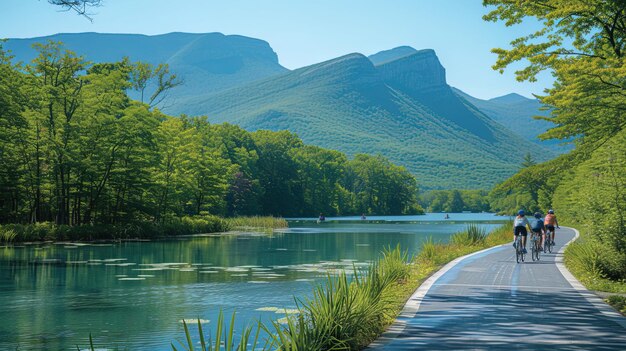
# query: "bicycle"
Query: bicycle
536,244
519,249
547,245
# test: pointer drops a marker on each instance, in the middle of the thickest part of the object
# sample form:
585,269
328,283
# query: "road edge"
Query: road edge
413,303
592,298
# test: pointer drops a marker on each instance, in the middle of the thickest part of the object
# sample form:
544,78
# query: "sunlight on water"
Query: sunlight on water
134,295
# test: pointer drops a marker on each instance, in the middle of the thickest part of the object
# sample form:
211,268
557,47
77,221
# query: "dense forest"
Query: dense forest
75,149
582,43
455,200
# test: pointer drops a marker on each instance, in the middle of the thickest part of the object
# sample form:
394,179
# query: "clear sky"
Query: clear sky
306,32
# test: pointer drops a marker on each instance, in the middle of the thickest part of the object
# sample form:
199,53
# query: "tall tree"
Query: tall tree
582,43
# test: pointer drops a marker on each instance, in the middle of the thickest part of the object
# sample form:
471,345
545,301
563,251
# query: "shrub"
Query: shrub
473,235
618,302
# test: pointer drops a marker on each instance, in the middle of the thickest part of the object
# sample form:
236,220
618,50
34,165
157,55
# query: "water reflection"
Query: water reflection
134,294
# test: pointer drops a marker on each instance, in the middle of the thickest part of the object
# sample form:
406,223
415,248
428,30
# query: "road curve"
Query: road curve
486,301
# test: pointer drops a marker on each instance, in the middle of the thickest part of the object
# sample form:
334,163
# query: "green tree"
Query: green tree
278,173
159,81
12,125
319,173
582,43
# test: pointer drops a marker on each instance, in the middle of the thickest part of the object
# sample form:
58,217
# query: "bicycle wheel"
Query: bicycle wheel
550,240
538,243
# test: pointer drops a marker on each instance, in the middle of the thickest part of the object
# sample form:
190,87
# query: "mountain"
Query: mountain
391,55
208,62
401,108
396,102
515,112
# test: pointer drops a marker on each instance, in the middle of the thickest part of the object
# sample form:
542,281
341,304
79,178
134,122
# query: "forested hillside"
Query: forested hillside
516,112
402,109
395,103
75,149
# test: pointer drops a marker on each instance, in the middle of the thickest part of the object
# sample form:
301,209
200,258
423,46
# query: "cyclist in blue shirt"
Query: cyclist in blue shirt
538,228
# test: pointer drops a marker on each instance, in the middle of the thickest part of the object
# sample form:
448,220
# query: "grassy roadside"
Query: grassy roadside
137,230
596,266
433,256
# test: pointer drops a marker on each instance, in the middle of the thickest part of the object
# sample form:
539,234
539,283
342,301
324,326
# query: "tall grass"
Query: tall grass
501,235
472,235
597,266
7,235
225,338
256,222
346,314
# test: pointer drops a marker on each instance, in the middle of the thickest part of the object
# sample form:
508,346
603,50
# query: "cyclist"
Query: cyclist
519,228
550,221
538,228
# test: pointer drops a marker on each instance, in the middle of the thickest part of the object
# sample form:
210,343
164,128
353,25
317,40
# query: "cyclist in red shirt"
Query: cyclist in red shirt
550,221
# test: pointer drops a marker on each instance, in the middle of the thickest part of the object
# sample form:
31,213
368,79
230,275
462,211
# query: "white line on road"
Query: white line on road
413,304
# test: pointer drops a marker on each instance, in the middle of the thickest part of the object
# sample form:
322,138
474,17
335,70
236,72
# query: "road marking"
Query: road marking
413,304
593,299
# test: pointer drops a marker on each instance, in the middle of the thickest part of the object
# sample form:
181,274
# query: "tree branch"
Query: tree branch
80,6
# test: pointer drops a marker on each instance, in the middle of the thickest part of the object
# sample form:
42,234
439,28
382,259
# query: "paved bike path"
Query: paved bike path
489,302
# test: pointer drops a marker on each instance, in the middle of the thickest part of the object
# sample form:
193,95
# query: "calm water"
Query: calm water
134,295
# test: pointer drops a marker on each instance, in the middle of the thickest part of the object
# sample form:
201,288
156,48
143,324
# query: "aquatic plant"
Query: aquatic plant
225,337
472,235
346,314
256,222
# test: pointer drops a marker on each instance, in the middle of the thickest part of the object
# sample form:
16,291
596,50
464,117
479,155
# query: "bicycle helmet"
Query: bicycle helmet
551,211
520,213
537,215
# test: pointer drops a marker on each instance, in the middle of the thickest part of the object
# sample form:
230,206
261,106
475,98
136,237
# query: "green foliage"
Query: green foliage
532,188
348,104
380,187
581,43
226,341
429,249
598,266
256,222
75,150
471,236
618,302
455,200
344,314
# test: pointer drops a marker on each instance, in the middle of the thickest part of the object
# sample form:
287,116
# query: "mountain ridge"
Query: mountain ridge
208,62
396,102
351,105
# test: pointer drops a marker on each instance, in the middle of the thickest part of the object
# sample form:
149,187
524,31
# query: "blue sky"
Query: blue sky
307,32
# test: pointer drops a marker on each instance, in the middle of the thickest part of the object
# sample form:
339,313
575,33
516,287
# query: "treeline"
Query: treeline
75,149
455,200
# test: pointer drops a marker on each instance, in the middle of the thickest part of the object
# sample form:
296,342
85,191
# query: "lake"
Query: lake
133,295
